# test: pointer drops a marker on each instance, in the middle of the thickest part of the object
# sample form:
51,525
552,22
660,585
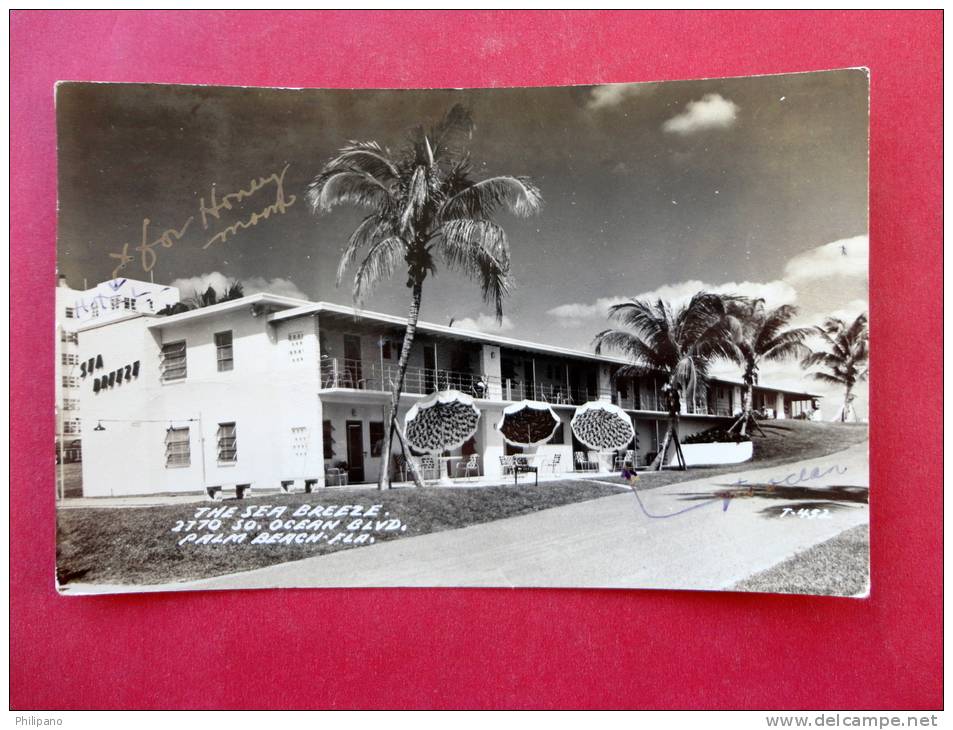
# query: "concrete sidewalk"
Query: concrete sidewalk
651,539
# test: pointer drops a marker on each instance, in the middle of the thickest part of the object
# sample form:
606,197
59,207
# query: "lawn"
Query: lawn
138,545
838,567
786,441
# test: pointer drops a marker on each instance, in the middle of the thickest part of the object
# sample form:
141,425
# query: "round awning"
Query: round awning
602,426
528,423
441,422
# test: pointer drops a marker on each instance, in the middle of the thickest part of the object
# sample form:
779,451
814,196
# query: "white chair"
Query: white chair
582,462
471,464
428,465
594,460
625,460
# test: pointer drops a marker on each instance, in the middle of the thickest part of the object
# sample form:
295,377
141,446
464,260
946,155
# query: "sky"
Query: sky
752,185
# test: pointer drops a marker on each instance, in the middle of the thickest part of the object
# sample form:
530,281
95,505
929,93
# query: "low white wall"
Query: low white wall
720,453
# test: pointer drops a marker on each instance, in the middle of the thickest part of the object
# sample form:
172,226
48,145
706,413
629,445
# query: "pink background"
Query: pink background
498,648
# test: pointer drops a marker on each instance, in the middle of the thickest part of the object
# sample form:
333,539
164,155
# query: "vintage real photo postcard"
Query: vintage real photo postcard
590,336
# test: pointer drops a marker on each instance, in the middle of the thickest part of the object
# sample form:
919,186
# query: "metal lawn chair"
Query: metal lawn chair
470,465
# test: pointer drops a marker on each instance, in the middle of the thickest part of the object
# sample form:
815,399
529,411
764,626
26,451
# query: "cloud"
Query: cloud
484,323
851,310
610,95
712,111
774,293
197,284
278,286
193,285
846,257
574,314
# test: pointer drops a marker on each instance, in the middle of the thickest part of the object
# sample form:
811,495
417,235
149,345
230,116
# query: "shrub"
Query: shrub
716,435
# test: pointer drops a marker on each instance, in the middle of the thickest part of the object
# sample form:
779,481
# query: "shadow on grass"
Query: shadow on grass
774,491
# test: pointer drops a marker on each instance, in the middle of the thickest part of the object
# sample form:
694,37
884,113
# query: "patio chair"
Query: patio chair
470,465
625,460
335,477
429,467
582,462
507,463
594,461
554,462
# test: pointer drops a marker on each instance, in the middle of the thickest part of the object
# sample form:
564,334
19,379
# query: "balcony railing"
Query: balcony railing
366,375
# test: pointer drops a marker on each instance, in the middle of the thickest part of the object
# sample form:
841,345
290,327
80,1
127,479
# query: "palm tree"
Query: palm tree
679,343
763,335
210,296
844,359
423,205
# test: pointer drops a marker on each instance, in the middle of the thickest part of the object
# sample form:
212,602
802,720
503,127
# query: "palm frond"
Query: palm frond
367,157
339,187
371,229
453,133
632,346
379,264
482,199
479,250
829,378
416,198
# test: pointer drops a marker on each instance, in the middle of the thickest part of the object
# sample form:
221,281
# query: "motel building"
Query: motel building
77,308
274,392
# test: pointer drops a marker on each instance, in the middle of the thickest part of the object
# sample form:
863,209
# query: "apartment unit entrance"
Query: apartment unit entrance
355,451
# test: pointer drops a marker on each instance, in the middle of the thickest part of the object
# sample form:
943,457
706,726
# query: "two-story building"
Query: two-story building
266,389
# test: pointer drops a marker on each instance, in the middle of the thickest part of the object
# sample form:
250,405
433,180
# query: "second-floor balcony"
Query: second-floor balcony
375,376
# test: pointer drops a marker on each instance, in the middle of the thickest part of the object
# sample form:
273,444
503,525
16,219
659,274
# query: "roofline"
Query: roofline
222,307
115,320
319,307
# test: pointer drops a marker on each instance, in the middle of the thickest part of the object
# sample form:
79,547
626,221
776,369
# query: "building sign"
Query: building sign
116,377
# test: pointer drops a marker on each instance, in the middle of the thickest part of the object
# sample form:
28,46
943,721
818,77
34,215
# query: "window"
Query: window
128,303
70,313
70,404
296,346
71,426
376,429
223,349
173,364
227,442
69,359
177,449
70,381
69,337
114,302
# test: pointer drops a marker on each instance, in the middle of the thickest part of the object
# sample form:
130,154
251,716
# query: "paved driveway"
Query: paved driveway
653,539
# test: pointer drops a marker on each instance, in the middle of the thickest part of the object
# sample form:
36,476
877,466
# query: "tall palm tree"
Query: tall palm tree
679,343
844,357
423,206
763,334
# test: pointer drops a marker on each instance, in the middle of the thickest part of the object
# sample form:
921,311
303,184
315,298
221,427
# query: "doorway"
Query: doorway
355,452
